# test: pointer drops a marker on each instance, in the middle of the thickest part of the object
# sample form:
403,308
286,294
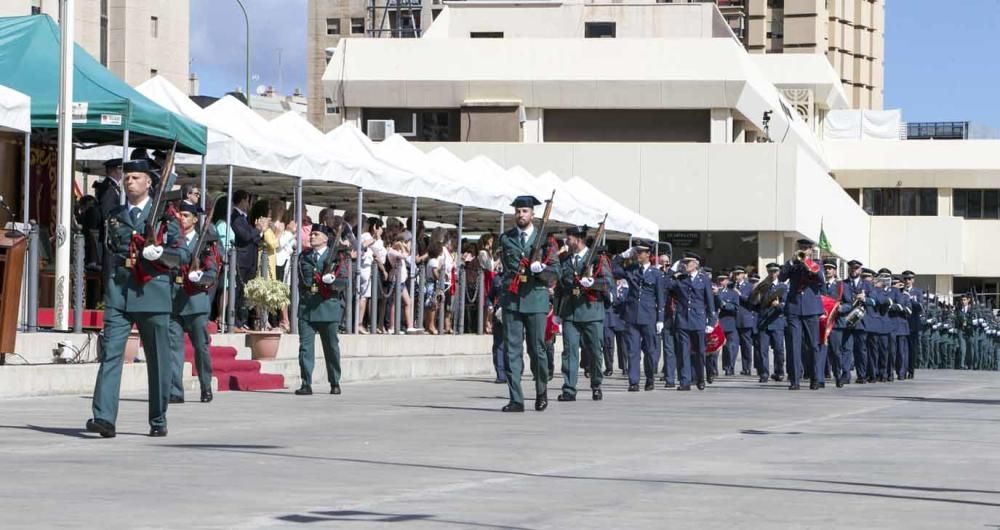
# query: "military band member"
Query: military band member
916,321
771,325
642,312
803,308
668,339
581,296
525,301
963,323
746,321
138,293
695,307
192,305
900,339
322,283
836,354
881,329
727,300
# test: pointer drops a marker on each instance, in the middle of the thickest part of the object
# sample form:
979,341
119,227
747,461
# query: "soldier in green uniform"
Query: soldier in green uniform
322,282
138,292
524,301
192,304
581,295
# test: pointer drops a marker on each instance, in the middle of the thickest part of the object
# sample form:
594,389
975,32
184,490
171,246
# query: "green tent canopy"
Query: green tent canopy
103,105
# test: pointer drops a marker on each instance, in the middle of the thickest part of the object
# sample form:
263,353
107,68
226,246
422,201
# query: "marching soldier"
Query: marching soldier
668,339
803,308
858,293
902,310
643,312
695,305
836,354
525,301
771,326
138,293
727,300
746,321
963,320
581,310
881,328
192,304
322,283
916,322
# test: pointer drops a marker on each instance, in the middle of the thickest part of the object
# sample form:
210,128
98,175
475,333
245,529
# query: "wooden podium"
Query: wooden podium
12,246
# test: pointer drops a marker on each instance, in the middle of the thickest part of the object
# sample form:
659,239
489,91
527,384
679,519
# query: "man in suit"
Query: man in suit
246,239
803,308
916,321
581,293
192,304
524,301
642,312
668,339
835,353
771,326
695,307
322,286
138,293
727,298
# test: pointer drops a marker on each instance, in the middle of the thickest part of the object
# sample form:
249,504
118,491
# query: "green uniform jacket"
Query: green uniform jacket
532,295
199,303
123,291
574,304
312,306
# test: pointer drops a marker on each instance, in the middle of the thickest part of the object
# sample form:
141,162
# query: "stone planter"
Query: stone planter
263,344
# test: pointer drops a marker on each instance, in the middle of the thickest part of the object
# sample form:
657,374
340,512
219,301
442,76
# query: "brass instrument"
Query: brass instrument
856,313
801,255
759,290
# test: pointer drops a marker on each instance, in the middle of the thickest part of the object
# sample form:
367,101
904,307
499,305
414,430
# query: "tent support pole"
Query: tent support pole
357,247
230,305
293,311
203,185
413,259
458,306
64,184
121,198
26,219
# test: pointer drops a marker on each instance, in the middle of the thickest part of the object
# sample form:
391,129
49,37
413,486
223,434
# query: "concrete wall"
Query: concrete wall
925,245
981,253
565,125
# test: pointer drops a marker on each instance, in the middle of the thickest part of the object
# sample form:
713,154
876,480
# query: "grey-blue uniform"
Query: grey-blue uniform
138,292
803,308
695,307
668,339
771,326
916,319
322,282
836,355
728,302
879,328
746,322
499,355
192,305
617,323
643,309
900,314
855,338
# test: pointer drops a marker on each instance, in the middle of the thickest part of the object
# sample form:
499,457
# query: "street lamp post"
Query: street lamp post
247,19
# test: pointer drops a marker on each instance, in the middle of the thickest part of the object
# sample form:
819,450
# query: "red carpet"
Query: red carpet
231,373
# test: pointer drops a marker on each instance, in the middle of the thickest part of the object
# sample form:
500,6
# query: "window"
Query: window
486,35
900,201
154,26
854,193
357,25
153,72
331,106
599,30
333,26
36,7
424,125
435,13
976,204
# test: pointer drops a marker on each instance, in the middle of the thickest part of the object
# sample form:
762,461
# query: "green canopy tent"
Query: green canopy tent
104,106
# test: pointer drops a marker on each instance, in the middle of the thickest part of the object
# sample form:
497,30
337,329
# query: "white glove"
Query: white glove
195,276
152,253
629,252
659,328
557,320
498,312
708,329
328,279
537,266
587,282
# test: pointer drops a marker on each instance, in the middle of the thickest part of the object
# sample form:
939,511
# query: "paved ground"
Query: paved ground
438,454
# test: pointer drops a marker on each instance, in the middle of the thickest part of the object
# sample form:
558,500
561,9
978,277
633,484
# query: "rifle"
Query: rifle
536,249
158,203
202,239
588,266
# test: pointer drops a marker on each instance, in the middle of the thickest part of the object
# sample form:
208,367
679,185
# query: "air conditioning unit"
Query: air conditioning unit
379,130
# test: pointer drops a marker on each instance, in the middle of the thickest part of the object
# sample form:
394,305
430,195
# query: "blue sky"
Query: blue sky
940,65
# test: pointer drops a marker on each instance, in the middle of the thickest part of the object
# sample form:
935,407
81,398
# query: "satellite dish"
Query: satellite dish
261,90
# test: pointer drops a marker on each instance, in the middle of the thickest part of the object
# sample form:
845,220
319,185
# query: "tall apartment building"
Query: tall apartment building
135,39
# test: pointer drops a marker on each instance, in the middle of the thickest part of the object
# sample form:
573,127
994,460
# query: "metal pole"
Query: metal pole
373,300
121,196
204,184
231,252
397,304
26,207
481,300
413,259
27,179
420,281
349,310
64,184
458,301
247,19
293,311
357,246
33,278
501,222
78,280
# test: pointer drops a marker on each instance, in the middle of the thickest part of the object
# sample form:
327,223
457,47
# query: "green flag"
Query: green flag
824,243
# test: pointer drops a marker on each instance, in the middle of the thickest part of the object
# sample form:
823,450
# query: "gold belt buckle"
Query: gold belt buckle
524,278
314,289
179,279
576,291
129,263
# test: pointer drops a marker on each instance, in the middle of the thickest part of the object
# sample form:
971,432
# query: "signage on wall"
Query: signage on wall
683,239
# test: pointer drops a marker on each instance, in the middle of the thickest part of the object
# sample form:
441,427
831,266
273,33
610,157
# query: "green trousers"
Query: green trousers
155,335
518,329
196,326
589,335
307,350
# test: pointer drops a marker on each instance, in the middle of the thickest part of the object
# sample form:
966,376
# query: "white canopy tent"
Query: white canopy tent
15,111
620,218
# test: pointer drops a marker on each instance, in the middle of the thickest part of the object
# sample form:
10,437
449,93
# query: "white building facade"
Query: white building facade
660,107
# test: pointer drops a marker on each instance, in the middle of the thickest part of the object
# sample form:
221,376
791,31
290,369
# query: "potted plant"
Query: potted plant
267,295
